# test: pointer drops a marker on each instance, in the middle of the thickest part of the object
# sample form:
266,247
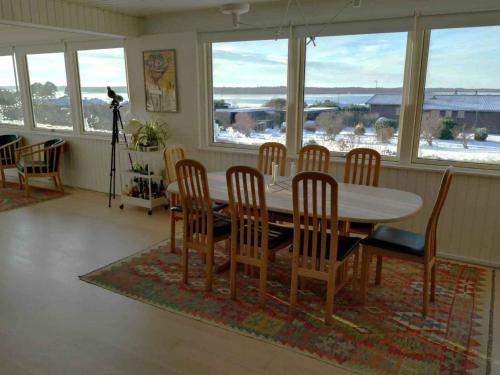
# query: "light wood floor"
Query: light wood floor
53,323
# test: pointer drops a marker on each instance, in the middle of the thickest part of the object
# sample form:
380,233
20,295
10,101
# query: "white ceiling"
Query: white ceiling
151,7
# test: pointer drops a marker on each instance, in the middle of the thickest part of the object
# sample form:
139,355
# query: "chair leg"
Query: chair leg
262,284
172,232
185,262
365,274
355,271
54,179
20,181
210,267
425,290
26,186
4,184
60,183
330,295
294,289
232,274
433,282
378,274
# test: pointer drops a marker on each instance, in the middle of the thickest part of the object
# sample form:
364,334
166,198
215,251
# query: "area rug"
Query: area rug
386,336
12,197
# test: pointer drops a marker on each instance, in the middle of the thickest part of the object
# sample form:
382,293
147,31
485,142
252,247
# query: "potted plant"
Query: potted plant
151,133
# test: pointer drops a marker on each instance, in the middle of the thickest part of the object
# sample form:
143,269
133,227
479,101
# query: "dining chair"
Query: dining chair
362,167
253,238
313,158
8,145
171,155
409,246
319,252
270,152
40,160
203,227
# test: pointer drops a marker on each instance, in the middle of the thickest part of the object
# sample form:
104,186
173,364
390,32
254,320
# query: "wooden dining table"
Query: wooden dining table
356,203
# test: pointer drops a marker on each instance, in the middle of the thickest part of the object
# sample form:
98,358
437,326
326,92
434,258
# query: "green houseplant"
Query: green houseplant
151,133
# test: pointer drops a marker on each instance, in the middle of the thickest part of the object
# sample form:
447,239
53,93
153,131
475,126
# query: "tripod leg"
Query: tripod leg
124,135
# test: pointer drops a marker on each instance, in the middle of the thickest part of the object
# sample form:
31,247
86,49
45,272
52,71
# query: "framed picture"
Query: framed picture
160,80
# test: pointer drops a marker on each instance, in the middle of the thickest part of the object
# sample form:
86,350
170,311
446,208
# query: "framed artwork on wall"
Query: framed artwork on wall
160,80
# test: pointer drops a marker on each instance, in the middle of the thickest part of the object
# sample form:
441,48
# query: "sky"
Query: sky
105,67
458,58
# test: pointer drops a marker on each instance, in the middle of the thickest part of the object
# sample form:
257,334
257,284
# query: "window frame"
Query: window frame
11,53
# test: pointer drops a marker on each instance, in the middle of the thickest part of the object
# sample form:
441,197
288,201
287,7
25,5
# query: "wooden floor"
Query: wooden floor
53,323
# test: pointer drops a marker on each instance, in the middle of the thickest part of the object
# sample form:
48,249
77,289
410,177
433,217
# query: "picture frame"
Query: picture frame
160,80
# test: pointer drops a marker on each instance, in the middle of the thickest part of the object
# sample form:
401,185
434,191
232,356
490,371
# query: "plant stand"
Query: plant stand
142,185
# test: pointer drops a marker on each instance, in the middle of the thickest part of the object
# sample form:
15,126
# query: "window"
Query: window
98,69
352,93
49,91
461,110
11,109
249,81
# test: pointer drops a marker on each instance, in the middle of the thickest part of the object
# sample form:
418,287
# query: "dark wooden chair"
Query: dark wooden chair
203,227
270,152
8,145
413,247
313,158
253,238
319,252
40,160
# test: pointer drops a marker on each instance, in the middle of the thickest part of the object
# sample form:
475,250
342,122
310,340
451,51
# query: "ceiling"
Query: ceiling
151,7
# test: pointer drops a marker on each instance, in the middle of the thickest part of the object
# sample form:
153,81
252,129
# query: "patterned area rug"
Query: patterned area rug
12,197
387,336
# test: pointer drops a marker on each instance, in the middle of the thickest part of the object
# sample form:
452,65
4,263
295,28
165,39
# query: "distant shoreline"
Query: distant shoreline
281,90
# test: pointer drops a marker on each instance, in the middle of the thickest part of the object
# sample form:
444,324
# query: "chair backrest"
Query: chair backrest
431,231
196,201
172,155
270,152
249,216
313,158
362,167
53,149
8,145
315,207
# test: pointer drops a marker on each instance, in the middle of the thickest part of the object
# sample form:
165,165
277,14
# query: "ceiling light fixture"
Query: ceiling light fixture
235,11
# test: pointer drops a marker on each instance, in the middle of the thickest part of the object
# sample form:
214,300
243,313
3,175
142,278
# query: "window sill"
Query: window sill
428,166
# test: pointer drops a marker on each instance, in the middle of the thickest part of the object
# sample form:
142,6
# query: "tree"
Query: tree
385,129
325,103
244,123
331,122
448,129
221,103
432,123
278,104
43,91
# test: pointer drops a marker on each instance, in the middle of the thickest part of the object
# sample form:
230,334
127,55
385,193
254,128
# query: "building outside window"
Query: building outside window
11,109
461,111
249,84
352,93
98,69
49,91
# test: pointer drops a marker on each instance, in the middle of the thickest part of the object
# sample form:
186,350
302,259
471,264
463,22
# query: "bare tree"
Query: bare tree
331,122
431,125
244,123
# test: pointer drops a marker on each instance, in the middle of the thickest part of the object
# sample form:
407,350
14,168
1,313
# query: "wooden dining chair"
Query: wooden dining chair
270,152
362,167
171,156
319,252
313,158
203,227
8,145
40,160
414,247
253,238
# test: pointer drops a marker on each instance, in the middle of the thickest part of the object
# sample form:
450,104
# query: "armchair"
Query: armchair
8,145
40,160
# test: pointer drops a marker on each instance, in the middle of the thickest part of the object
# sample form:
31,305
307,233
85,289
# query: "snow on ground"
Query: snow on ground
479,152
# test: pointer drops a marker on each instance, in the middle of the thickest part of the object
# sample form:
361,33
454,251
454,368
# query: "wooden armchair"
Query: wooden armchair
8,145
270,152
40,160
313,158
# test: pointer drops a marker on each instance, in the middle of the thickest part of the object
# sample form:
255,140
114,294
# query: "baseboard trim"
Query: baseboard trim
465,259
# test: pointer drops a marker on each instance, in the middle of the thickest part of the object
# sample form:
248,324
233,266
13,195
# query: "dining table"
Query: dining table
356,203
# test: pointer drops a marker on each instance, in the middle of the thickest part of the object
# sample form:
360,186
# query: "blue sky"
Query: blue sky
467,58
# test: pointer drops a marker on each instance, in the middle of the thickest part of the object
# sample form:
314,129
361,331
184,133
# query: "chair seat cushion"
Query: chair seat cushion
32,167
279,236
363,228
222,225
7,161
398,240
345,245
216,207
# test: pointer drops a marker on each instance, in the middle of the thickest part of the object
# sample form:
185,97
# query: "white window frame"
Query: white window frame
11,53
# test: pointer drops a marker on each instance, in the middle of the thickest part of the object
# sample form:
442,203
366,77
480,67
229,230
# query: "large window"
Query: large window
11,109
249,91
98,69
352,93
461,109
49,90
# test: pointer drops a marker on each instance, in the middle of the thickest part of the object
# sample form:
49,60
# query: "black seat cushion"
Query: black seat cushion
361,227
7,138
394,239
279,236
216,207
32,167
345,245
222,225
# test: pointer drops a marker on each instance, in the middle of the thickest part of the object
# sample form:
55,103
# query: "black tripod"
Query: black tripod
115,106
